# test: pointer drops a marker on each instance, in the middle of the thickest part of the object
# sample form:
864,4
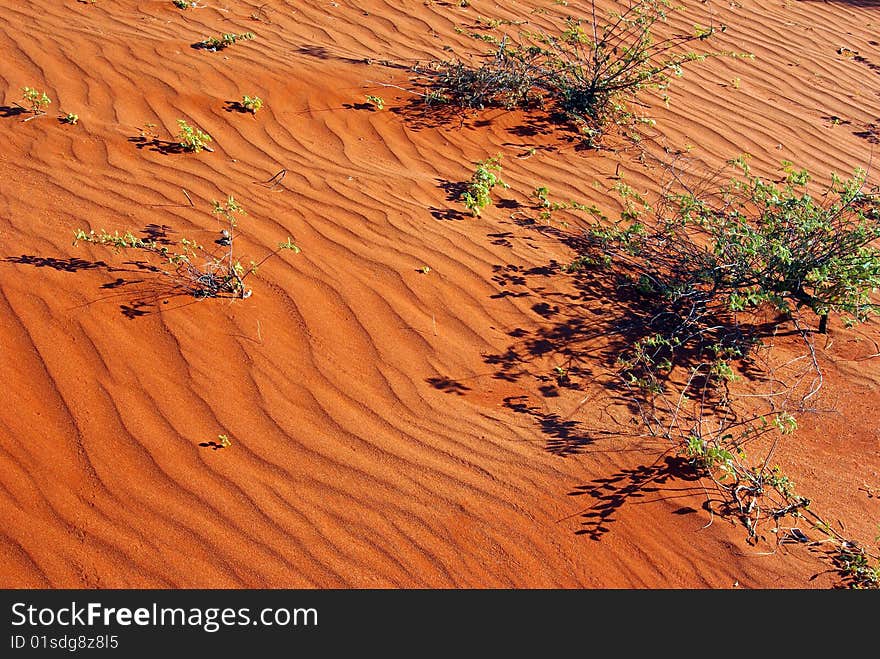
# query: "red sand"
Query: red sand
373,444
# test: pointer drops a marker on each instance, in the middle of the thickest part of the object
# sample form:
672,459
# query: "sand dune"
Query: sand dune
379,436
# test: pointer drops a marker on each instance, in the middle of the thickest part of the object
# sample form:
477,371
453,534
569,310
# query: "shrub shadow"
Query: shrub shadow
165,147
611,493
144,288
11,111
235,106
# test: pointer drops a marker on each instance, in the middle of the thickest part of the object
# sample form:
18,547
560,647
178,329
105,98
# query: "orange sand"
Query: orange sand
374,441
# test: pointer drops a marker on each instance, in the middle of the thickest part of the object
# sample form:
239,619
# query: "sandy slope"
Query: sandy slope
390,428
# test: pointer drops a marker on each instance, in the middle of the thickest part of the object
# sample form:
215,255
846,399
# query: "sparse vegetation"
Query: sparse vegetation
477,192
757,242
190,138
37,101
698,274
225,40
252,103
70,118
193,268
590,70
376,101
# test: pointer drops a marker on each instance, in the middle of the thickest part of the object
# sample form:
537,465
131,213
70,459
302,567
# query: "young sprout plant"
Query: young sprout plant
377,101
37,102
70,118
195,269
476,195
191,138
252,103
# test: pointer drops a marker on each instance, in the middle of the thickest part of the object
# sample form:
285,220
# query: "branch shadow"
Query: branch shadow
611,493
216,446
448,214
448,385
71,264
143,291
368,107
7,111
869,132
235,106
165,147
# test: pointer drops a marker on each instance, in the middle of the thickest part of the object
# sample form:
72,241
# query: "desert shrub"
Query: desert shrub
757,242
508,79
590,70
477,192
197,270
190,138
690,283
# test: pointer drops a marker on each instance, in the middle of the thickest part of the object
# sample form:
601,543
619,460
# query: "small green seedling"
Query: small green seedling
224,440
36,100
425,269
185,4
70,118
192,139
377,101
252,103
477,193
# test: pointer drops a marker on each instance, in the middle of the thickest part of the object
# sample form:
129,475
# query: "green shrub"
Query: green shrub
758,242
377,101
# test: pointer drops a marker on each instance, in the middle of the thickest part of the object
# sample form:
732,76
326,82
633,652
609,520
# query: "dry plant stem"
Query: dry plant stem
274,180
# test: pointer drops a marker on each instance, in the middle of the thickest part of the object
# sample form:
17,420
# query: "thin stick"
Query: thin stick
275,180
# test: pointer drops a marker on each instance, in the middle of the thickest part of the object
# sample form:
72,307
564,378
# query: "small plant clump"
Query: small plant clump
225,40
377,101
70,118
855,564
190,138
195,269
185,4
477,193
36,100
252,103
